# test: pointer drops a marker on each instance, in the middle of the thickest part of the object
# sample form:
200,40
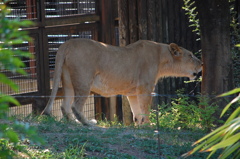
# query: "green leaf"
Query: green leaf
229,150
231,140
209,143
12,135
26,23
237,154
4,79
232,128
8,99
229,104
234,91
16,41
210,134
193,150
233,115
211,154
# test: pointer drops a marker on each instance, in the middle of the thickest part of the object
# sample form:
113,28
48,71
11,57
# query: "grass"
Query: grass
71,140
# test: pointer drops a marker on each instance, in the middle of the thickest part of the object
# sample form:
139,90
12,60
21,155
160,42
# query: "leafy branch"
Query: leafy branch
12,132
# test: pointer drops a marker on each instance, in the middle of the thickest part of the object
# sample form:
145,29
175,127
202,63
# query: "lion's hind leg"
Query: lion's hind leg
68,95
81,93
67,103
82,79
77,109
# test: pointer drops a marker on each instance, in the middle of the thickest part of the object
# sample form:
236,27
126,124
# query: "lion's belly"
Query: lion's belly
106,87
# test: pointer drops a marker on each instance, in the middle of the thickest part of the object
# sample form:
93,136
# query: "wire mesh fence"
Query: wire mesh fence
88,109
26,110
26,9
23,110
60,8
26,83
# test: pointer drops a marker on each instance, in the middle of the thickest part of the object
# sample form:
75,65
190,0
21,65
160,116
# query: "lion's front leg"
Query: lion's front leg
138,117
144,102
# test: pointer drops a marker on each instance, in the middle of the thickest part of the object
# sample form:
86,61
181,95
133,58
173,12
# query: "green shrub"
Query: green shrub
184,113
12,132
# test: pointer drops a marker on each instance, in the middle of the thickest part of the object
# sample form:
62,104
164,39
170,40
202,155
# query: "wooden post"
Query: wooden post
43,78
124,39
217,64
133,23
123,22
106,35
151,20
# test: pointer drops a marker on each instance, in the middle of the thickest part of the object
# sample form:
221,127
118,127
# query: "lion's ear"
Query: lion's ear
175,50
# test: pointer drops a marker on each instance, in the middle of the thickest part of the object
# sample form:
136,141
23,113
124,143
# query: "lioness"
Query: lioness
90,66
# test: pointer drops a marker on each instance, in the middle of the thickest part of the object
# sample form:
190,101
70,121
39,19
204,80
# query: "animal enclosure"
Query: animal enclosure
59,20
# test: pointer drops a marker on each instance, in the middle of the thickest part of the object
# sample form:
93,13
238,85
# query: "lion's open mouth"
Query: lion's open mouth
197,75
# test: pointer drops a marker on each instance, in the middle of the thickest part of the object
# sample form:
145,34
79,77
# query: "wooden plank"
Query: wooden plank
107,33
76,19
164,21
98,107
151,20
73,27
123,22
133,28
177,20
142,19
175,37
170,13
159,21
183,27
119,110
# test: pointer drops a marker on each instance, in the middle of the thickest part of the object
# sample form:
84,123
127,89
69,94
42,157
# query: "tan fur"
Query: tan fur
87,65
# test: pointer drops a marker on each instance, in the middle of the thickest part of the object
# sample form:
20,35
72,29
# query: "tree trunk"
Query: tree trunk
214,18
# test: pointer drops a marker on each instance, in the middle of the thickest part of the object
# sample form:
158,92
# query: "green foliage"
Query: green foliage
226,137
184,113
189,7
75,151
108,123
12,132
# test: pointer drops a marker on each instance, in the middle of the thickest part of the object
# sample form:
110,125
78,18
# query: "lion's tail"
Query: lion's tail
60,57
